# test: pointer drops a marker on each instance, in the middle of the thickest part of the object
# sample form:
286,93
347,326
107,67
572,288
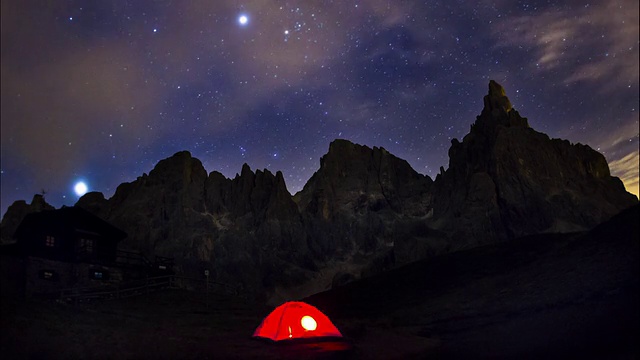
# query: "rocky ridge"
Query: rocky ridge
506,180
16,212
363,211
245,230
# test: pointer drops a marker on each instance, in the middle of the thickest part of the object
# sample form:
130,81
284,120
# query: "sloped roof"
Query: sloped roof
71,217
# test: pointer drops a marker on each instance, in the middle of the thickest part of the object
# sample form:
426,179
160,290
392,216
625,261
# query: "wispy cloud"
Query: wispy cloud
594,43
609,141
626,169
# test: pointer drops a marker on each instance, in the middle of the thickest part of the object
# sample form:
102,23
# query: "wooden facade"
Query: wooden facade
64,248
70,234
71,248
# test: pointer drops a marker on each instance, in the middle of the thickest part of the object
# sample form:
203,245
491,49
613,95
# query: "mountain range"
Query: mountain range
363,212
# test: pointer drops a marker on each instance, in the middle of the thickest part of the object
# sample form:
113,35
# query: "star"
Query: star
243,20
80,188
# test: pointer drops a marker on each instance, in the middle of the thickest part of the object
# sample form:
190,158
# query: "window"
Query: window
86,245
99,274
50,241
89,246
48,275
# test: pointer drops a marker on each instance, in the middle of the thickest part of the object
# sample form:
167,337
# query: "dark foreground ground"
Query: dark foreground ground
552,296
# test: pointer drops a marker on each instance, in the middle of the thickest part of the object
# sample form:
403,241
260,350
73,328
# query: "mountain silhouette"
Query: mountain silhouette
364,211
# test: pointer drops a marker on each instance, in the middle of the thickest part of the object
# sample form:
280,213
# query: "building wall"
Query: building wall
12,276
45,276
111,275
38,280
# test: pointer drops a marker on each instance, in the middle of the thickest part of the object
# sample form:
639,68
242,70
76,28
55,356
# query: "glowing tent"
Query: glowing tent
296,320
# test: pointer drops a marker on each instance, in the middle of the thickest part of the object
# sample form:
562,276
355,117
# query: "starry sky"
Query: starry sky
100,91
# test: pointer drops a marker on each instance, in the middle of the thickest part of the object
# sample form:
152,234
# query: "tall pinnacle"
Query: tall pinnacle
497,111
497,98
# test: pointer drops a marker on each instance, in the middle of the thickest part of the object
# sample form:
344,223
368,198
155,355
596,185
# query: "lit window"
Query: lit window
50,241
48,275
99,274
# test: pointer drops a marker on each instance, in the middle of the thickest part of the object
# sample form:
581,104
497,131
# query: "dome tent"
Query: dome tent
296,320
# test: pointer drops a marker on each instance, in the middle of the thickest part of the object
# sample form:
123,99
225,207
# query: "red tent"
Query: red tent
296,320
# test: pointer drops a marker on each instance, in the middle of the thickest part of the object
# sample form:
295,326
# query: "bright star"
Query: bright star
243,20
80,188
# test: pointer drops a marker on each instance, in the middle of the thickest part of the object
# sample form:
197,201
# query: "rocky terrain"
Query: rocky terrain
507,180
364,211
16,212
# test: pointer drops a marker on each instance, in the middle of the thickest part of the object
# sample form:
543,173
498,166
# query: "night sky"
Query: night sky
100,91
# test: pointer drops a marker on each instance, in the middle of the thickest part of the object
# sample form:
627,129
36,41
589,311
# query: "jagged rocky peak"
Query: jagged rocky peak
497,98
245,171
347,159
497,112
261,193
16,212
95,203
343,154
342,147
259,178
356,177
181,167
507,180
180,175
